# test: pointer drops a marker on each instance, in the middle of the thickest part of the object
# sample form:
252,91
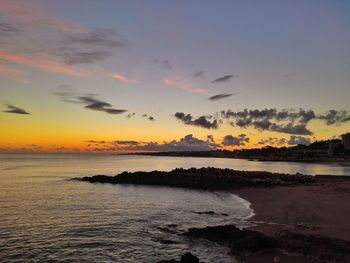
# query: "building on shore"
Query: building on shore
346,140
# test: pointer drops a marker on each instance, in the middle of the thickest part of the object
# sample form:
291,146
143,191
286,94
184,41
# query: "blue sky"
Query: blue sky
278,54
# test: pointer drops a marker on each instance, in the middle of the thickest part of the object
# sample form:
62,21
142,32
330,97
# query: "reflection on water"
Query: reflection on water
45,217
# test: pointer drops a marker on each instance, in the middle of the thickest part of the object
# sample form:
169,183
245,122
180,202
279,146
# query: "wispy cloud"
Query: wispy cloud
41,61
184,86
90,101
16,110
122,78
22,13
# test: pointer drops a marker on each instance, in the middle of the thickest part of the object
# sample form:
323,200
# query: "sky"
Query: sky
119,76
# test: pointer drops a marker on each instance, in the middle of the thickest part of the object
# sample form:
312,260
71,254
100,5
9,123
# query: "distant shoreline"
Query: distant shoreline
339,161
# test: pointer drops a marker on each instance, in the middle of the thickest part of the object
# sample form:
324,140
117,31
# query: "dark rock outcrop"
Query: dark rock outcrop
245,242
241,242
204,178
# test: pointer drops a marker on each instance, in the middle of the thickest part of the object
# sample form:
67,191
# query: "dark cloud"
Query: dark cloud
130,115
291,128
198,74
221,96
272,141
164,63
335,117
202,121
224,79
14,109
295,140
187,143
90,101
149,117
8,29
126,142
96,142
239,140
284,121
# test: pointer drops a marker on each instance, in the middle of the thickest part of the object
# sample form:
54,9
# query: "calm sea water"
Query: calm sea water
45,217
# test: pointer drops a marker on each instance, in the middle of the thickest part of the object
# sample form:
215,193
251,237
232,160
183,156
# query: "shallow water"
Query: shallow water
45,217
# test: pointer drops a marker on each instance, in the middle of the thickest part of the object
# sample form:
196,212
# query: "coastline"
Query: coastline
305,218
337,161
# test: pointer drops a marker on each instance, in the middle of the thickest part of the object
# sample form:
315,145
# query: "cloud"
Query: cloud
69,43
272,141
239,140
221,96
165,63
90,102
183,85
295,140
130,115
22,13
89,47
122,78
335,117
98,37
16,110
202,121
224,79
126,142
198,74
283,121
149,117
41,61
187,143
291,128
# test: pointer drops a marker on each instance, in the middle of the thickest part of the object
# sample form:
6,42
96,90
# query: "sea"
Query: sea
47,217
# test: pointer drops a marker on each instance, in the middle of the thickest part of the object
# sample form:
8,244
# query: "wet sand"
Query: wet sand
321,209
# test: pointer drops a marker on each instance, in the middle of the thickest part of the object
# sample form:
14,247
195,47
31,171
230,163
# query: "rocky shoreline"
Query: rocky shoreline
295,213
205,178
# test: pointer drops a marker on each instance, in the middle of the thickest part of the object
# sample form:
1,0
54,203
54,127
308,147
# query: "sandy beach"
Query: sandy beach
321,209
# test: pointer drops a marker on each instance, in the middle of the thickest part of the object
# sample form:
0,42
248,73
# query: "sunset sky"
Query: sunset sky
116,76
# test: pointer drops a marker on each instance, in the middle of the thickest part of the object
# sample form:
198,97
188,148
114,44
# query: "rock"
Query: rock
245,242
241,242
189,258
209,178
